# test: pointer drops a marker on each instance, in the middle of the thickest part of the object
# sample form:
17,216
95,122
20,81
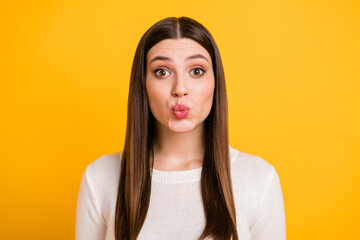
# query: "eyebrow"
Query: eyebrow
162,58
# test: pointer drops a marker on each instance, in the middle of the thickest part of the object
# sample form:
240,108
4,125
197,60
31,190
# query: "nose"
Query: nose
179,89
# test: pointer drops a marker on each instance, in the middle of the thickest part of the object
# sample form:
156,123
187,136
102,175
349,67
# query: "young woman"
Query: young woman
177,176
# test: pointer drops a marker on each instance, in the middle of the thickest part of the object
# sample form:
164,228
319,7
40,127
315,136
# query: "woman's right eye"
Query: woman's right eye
161,72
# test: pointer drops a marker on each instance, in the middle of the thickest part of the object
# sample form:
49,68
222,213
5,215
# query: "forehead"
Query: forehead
182,48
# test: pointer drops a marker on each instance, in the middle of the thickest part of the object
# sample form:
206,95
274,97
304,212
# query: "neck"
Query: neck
178,151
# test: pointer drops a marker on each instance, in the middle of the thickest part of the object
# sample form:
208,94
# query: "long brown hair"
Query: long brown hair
137,157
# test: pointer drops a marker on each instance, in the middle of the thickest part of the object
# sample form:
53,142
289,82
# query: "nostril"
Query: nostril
179,93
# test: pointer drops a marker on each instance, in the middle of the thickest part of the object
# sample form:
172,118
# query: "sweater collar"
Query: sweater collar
191,175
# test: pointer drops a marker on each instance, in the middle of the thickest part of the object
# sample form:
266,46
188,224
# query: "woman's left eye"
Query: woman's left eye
197,71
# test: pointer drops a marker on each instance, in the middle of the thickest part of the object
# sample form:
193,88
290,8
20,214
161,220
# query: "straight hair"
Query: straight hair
134,187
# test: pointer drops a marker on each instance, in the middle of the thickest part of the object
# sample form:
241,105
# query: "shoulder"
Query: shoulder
251,173
98,188
253,178
102,176
104,170
105,163
246,163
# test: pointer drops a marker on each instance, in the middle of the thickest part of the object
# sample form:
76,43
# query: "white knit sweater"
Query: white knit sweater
176,208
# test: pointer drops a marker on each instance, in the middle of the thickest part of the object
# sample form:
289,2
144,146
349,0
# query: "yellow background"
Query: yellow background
293,79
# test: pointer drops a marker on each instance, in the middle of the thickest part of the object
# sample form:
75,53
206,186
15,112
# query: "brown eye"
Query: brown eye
197,71
161,72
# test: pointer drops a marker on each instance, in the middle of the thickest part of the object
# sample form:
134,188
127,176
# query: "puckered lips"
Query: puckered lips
180,111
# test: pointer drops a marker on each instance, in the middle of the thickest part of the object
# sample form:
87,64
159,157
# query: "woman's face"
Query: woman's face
180,84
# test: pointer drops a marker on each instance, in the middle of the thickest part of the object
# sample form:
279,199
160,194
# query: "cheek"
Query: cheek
207,93
204,99
156,97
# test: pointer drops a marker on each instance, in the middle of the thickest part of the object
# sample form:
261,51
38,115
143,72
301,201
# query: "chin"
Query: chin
181,126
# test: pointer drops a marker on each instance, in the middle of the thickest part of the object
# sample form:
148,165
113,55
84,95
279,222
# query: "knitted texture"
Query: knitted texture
176,208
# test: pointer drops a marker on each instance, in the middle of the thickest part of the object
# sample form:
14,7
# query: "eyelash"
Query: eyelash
201,69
